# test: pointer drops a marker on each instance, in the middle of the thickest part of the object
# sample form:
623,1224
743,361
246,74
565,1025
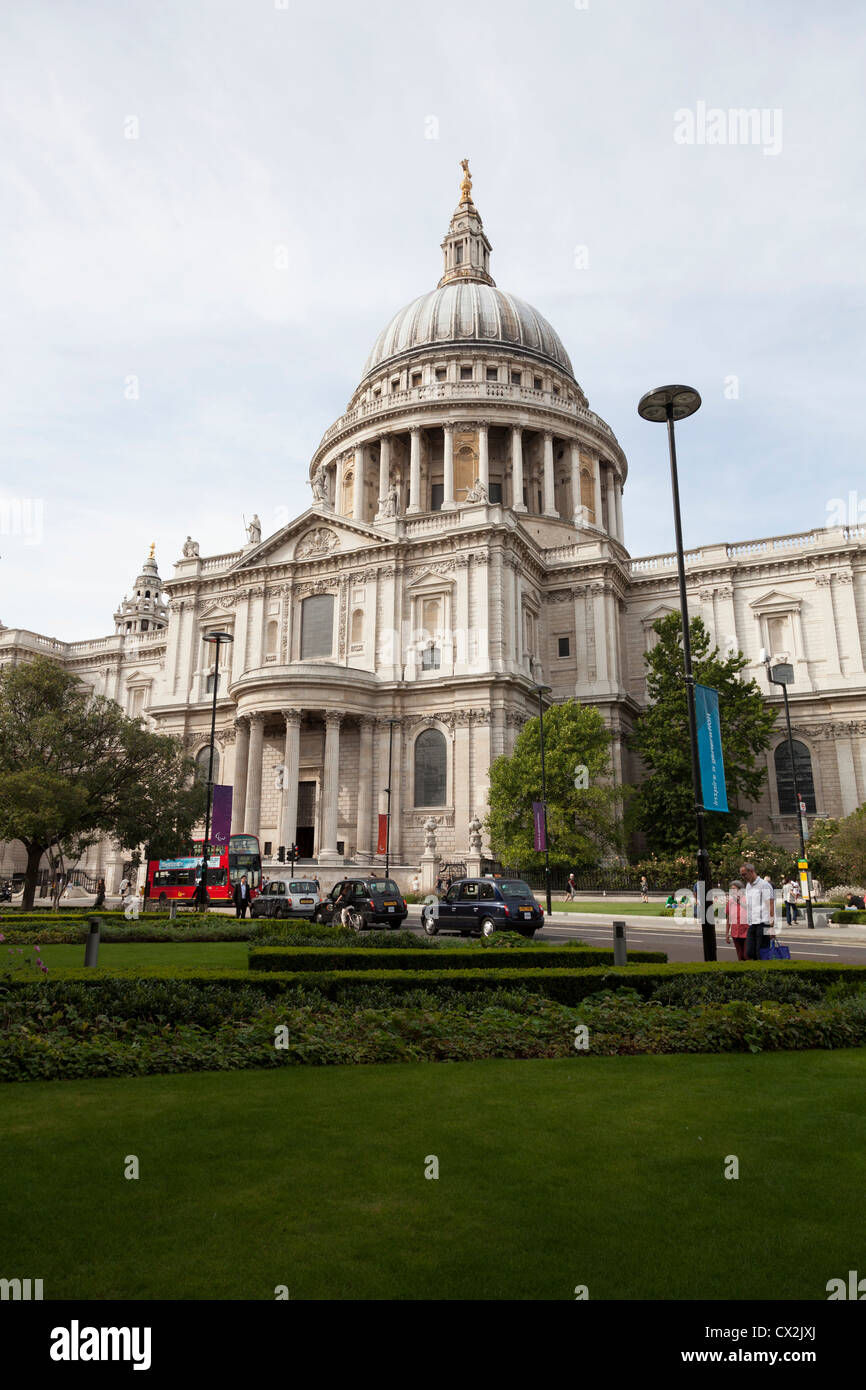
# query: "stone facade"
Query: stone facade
464,544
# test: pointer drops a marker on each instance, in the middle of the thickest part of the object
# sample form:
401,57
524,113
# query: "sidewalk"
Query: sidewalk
830,932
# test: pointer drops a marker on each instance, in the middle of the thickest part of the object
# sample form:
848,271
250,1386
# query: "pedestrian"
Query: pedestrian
760,910
855,901
242,897
644,889
790,894
124,888
571,888
736,919
439,888
416,884
100,895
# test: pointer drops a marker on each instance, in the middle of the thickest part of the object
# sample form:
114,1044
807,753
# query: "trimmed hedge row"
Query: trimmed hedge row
296,958
849,916
565,986
76,934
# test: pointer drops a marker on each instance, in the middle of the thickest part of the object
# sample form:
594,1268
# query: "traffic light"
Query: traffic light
294,854
281,854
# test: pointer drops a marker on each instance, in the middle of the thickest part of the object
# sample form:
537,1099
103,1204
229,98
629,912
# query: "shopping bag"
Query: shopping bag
775,952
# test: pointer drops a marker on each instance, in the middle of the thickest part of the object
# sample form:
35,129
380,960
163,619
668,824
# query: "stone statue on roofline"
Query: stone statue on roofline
254,530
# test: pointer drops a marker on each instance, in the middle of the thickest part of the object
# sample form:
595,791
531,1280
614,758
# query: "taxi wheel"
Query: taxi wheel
431,927
488,927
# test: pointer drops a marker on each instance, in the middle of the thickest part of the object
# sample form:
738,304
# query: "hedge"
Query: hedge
565,986
849,916
75,934
298,958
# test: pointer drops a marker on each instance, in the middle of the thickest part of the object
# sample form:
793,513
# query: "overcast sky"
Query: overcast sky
162,374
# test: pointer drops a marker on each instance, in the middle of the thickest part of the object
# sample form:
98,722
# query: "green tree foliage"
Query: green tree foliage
582,822
73,768
837,849
663,806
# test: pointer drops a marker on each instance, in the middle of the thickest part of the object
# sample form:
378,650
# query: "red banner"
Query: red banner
382,842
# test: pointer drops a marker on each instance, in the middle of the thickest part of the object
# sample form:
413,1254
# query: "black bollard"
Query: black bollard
620,956
91,946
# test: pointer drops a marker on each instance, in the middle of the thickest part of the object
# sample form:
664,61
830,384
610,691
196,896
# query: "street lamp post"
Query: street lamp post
544,690
783,675
665,405
217,638
391,723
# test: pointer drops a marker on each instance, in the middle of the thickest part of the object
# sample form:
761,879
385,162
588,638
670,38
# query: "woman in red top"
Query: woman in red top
736,919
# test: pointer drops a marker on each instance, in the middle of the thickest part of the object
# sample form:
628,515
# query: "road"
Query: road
684,942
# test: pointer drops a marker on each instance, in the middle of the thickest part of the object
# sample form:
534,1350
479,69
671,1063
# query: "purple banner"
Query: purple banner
221,819
538,821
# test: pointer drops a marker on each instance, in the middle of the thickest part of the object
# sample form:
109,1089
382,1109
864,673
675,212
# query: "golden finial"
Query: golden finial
466,183
152,550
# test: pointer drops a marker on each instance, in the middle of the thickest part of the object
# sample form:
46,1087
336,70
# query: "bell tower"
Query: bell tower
146,611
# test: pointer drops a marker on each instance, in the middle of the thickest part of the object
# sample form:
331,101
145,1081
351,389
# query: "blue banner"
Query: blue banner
712,764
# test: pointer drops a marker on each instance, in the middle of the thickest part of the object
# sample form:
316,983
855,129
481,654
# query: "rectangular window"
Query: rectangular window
395,383
465,373
267,847
495,492
437,493
459,253
564,646
516,378
317,626
441,374
431,659
416,378
492,373
536,382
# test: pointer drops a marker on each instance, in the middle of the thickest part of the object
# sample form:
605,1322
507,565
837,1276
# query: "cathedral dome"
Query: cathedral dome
467,311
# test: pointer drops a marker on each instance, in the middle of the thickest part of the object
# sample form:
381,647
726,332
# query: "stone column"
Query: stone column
599,617
617,502
338,485
384,469
253,806
239,779
360,477
288,827
596,482
365,785
484,456
549,484
396,791
414,472
828,625
331,787
847,775
517,504
448,502
462,791
576,505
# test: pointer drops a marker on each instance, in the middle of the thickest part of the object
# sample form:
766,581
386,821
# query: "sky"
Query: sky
210,210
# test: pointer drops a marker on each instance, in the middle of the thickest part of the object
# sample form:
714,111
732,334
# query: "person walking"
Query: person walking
124,889
644,889
571,889
736,919
242,897
760,911
791,893
100,895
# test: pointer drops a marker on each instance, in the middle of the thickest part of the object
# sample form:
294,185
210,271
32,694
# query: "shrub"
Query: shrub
322,958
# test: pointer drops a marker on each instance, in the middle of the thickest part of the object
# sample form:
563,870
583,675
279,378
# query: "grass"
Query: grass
603,1172
198,954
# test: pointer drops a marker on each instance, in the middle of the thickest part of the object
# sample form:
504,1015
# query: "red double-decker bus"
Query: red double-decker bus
179,877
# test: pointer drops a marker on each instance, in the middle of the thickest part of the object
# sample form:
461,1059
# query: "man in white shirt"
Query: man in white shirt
760,910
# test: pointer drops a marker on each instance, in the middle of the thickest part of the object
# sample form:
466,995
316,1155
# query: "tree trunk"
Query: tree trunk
34,855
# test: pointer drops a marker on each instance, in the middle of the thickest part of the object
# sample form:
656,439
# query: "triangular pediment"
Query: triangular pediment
775,599
314,535
661,610
430,578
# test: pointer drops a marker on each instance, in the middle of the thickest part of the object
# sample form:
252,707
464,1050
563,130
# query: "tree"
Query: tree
74,768
663,807
582,821
837,849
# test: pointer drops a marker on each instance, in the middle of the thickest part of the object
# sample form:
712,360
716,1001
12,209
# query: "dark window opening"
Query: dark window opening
785,779
564,646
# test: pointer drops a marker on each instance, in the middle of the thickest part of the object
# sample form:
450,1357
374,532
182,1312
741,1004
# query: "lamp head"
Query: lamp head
675,402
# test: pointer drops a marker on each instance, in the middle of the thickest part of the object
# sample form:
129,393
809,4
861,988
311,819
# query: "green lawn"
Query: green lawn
199,954
604,1172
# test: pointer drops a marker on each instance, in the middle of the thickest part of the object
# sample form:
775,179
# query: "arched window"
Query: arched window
357,627
317,626
587,493
785,780
202,763
431,769
210,681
